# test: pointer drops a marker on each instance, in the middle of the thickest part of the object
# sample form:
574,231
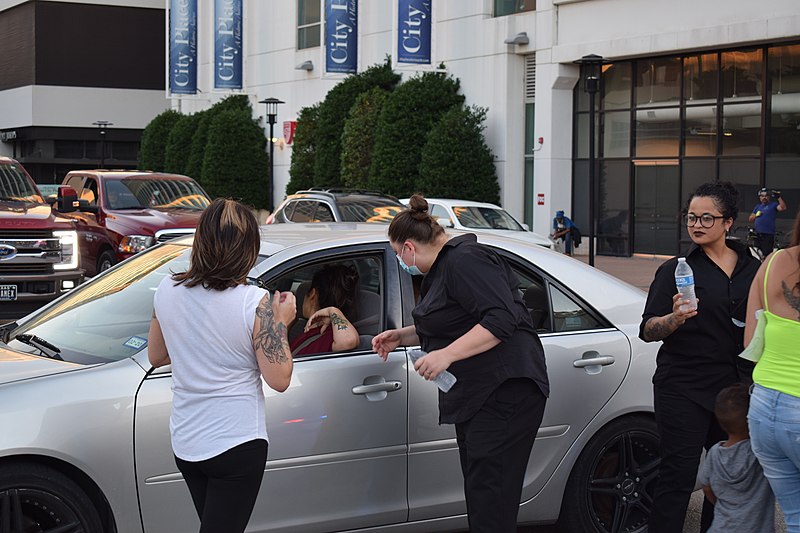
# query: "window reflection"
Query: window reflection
783,136
617,86
741,74
700,131
700,78
741,129
657,132
658,81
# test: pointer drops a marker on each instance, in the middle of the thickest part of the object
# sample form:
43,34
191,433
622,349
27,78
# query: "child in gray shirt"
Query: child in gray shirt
731,477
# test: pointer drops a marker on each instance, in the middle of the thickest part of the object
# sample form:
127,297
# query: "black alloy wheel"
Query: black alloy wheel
610,489
106,261
37,499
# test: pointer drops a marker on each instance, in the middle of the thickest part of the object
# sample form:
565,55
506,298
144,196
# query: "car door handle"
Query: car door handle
388,386
598,360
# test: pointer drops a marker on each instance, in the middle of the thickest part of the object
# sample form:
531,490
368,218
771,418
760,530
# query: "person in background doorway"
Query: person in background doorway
731,477
775,403
763,218
698,357
562,229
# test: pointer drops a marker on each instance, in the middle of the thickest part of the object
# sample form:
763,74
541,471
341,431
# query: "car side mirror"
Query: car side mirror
83,205
527,228
445,222
66,200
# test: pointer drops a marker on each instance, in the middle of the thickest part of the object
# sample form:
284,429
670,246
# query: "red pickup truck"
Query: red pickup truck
39,258
122,212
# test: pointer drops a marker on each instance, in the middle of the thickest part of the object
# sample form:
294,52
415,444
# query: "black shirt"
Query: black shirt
700,357
470,284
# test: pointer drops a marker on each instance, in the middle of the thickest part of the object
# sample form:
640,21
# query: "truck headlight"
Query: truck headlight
69,250
133,244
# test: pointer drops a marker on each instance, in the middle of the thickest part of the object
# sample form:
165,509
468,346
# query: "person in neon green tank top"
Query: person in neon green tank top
774,413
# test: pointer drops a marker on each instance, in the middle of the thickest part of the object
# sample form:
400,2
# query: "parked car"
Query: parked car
355,442
479,217
336,205
122,213
39,258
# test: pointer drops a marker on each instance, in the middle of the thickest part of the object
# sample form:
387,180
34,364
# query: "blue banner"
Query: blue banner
414,31
227,44
341,36
183,46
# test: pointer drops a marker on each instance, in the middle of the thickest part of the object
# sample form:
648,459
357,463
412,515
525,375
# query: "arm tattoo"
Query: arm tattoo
271,338
657,330
339,322
791,299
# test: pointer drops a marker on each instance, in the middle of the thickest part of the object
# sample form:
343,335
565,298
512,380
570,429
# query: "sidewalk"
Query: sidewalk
637,270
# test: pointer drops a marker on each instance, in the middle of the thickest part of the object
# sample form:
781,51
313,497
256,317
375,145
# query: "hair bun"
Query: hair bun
418,207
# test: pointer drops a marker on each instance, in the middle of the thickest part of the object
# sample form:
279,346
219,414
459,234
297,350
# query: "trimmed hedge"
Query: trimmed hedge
301,169
154,140
179,144
358,137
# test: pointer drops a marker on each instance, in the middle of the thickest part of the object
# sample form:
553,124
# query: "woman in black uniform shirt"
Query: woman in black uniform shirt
699,354
471,320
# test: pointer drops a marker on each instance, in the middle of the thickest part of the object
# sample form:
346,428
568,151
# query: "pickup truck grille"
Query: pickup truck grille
167,234
37,251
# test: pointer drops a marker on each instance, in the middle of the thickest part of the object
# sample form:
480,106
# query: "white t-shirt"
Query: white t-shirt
217,400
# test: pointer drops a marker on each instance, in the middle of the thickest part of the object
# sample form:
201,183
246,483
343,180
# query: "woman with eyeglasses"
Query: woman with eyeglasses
698,357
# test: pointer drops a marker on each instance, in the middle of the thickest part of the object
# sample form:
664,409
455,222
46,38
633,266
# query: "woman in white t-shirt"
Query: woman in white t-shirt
221,336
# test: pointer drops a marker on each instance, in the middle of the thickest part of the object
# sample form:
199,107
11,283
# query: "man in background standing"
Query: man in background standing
763,218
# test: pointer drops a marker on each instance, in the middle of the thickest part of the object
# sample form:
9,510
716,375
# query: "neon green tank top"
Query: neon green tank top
779,366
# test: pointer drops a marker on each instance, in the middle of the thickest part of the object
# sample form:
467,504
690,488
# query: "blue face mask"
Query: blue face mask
413,269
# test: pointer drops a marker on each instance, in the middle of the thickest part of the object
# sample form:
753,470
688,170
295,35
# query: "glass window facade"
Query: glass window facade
309,23
510,7
668,124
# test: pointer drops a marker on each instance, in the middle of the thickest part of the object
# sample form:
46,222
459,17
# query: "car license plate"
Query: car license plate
8,293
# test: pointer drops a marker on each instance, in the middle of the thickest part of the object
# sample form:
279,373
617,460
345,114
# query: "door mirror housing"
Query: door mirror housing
67,199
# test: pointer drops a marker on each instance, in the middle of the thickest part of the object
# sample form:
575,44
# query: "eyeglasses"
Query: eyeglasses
706,220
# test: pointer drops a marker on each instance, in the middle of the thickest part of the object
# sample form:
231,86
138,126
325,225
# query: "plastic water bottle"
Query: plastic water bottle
445,380
684,282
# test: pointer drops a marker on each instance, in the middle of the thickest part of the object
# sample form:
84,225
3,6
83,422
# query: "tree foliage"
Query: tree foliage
236,164
358,137
301,169
333,112
154,140
179,143
456,162
410,112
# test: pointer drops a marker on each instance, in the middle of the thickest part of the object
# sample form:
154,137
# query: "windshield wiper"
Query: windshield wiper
49,350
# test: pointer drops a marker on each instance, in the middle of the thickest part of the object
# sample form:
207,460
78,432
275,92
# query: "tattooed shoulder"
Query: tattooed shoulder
339,321
271,338
791,298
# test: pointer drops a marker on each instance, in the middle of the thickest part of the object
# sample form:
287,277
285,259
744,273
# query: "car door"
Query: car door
587,359
90,232
337,457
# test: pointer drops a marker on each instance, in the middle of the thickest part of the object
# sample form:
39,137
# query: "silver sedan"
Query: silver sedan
354,441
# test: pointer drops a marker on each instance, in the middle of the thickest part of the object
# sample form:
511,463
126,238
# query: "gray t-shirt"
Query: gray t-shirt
745,501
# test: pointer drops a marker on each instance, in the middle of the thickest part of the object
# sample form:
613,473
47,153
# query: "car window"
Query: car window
75,182
286,212
323,213
15,185
368,316
303,211
568,315
534,294
441,213
485,218
369,209
89,191
166,193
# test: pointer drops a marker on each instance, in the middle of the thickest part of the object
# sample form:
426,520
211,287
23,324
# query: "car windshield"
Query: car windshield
107,319
15,185
486,218
380,210
161,192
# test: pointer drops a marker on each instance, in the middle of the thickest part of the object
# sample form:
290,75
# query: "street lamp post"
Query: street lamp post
102,124
592,63
272,117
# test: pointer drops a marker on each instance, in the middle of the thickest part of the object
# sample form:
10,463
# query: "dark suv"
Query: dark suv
336,205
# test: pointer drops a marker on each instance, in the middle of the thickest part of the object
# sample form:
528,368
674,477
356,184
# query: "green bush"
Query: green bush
358,137
301,169
236,164
179,144
332,114
194,166
154,140
456,162
408,115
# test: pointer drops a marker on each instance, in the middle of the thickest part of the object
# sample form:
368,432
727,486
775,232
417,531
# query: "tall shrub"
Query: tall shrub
154,140
236,164
358,137
408,115
301,169
456,162
333,112
179,143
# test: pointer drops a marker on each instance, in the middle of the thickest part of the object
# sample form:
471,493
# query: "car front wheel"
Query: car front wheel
106,261
37,499
610,489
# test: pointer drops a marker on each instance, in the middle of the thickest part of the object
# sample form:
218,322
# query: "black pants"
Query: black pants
224,488
684,428
765,243
495,446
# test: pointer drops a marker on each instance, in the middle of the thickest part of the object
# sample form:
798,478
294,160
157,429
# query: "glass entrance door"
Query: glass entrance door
657,207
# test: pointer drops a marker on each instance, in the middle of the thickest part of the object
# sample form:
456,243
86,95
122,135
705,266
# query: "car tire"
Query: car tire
611,485
106,261
44,500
